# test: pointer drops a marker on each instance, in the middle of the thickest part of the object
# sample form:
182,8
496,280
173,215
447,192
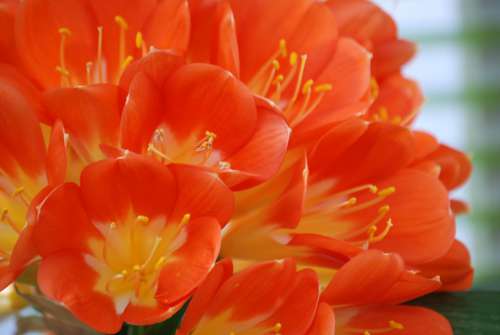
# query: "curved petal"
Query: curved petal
144,316
66,277
158,65
263,154
57,159
6,276
62,222
353,283
113,187
192,263
414,320
201,194
204,294
390,56
324,323
454,268
141,114
455,166
201,98
37,35
8,53
424,227
21,141
169,25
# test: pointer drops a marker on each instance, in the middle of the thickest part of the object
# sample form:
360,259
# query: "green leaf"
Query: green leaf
471,313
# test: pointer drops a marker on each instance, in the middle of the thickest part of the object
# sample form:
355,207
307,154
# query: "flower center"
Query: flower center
322,207
131,256
283,72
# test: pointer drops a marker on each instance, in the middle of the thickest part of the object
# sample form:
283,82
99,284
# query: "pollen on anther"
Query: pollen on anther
142,219
396,325
139,40
283,48
294,57
387,191
185,219
323,88
121,22
277,327
307,86
64,31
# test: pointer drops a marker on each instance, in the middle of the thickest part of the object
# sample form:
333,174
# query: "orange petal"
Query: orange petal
364,21
141,113
455,165
158,65
62,222
201,194
415,320
390,56
21,141
324,323
297,311
213,37
7,276
37,35
67,278
123,181
255,291
364,279
192,263
423,225
425,144
263,154
459,206
202,97
90,114
204,294
56,155
454,268
8,51
169,26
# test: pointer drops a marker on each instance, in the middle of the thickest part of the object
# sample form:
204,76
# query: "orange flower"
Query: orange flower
78,42
267,298
397,99
289,52
142,237
361,309
28,169
200,114
363,187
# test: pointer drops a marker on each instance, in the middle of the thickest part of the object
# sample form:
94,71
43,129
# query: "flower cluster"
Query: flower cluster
254,160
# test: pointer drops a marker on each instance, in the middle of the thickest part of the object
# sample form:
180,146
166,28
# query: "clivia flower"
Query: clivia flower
397,99
266,298
132,242
360,188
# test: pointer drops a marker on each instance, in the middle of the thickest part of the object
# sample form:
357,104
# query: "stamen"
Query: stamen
381,236
123,66
275,68
277,327
206,144
374,88
154,151
300,78
185,219
283,48
99,54
387,191
140,43
4,217
223,165
122,43
65,75
393,325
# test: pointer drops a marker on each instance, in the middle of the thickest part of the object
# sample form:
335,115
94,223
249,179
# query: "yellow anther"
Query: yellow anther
121,22
223,165
160,262
64,31
366,332
124,273
373,188
384,114
283,48
279,78
276,65
126,62
384,209
294,57
387,191
210,135
142,219
371,231
18,191
323,88
232,333
397,120
307,86
139,41
112,225
382,235
64,72
137,268
374,88
277,327
396,325
352,201
185,219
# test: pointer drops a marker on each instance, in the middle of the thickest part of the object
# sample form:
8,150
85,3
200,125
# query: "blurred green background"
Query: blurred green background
458,66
